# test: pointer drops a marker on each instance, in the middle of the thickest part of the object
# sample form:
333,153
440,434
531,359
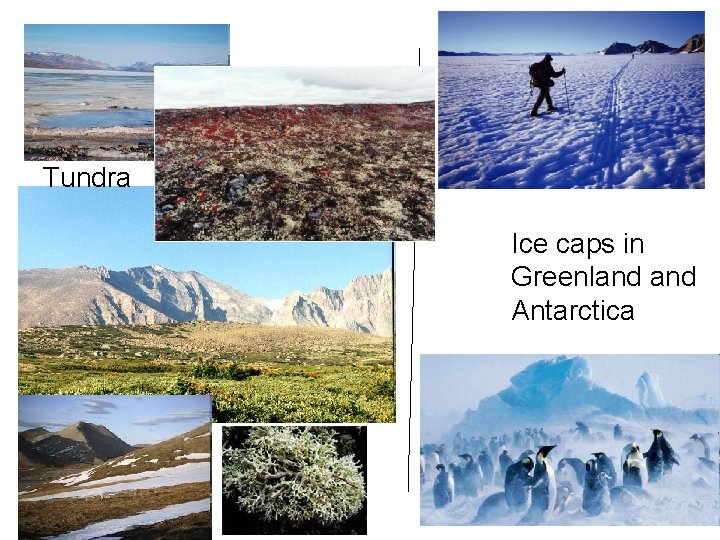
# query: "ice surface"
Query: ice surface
635,123
545,391
61,92
169,476
111,526
650,394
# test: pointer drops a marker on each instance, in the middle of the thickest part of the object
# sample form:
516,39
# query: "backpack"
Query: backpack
536,74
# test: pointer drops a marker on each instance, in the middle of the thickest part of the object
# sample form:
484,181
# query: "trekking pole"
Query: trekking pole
523,107
567,99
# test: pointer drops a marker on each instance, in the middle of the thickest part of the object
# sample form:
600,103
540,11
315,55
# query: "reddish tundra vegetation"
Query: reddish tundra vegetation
297,172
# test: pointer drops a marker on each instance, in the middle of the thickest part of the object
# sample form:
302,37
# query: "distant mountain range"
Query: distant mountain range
695,43
55,60
153,295
475,53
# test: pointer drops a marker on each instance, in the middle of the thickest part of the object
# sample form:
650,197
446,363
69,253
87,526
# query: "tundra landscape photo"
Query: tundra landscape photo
626,108
114,466
89,87
295,153
281,332
569,440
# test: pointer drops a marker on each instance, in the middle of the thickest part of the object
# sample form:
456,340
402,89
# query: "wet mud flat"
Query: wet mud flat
88,115
296,172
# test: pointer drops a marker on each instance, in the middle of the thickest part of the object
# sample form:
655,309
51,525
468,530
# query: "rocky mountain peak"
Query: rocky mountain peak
694,44
154,294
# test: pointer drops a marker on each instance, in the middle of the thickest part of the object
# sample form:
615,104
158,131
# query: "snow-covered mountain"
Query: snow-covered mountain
647,46
560,391
154,294
56,60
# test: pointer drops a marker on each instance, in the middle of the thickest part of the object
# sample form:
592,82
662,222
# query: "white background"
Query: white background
463,295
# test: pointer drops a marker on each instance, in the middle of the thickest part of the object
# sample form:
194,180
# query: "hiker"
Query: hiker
542,74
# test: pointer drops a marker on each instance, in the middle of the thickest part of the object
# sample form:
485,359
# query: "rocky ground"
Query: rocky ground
311,172
102,144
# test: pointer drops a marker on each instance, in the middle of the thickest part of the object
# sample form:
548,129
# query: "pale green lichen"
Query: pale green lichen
293,474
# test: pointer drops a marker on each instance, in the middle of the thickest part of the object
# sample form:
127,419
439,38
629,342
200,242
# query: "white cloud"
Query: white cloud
183,87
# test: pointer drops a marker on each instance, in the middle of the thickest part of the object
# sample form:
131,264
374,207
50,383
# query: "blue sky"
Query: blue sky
125,44
459,382
135,419
113,227
566,32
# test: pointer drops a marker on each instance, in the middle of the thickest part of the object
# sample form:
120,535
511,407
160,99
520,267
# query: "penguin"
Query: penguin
526,453
635,471
442,494
517,484
596,493
431,463
422,470
582,429
605,464
472,476
544,488
700,446
617,432
504,460
654,458
457,481
485,463
708,464
576,465
668,453
567,501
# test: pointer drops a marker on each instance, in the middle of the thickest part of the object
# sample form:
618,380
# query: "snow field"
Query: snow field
168,476
111,526
635,123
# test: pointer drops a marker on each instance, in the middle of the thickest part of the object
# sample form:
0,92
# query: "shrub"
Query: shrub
293,474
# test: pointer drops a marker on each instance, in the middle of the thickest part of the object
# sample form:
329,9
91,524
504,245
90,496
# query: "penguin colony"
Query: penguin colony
536,491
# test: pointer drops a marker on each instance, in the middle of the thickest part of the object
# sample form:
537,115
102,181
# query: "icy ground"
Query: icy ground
689,496
111,526
50,92
634,123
